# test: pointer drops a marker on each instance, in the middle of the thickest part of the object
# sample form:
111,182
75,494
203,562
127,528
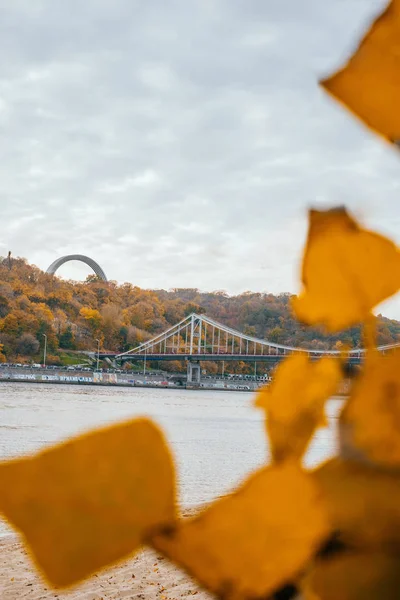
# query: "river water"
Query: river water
217,437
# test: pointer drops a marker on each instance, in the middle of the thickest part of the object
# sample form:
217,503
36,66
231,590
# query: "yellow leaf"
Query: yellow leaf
294,403
363,503
354,576
254,541
369,84
346,271
90,501
370,422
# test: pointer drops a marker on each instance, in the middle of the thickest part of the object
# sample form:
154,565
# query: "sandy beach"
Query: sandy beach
145,576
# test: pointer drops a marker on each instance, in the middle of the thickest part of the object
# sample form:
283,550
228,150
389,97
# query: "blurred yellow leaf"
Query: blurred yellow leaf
346,271
248,544
363,503
294,403
371,418
92,500
369,84
354,576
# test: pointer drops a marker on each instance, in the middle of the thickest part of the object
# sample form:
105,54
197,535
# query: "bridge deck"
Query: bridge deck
212,357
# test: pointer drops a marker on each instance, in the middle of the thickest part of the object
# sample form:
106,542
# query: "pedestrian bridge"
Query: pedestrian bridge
200,338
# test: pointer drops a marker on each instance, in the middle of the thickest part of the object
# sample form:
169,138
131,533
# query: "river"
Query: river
217,437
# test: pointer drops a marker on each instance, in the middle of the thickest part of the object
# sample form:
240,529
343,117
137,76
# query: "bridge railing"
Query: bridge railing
199,335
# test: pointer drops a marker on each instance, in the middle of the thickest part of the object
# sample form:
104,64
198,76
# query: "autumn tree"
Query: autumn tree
174,366
276,335
92,318
75,314
9,325
2,355
27,345
111,315
4,306
211,368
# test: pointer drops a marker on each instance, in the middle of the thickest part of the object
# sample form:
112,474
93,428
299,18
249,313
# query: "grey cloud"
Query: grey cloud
180,143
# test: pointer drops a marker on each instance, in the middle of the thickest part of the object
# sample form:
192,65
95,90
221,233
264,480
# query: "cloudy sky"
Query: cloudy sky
180,142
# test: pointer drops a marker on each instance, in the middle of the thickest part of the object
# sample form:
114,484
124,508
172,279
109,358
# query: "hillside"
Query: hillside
74,314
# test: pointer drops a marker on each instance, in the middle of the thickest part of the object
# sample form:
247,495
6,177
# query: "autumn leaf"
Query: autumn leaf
294,403
370,422
91,501
363,503
369,84
354,576
250,543
346,271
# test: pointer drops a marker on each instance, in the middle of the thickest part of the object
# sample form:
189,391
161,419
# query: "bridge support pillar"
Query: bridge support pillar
193,373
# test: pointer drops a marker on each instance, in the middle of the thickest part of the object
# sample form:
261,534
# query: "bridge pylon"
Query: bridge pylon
193,373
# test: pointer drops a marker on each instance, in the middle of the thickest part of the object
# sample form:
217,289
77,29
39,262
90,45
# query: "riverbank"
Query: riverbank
113,378
343,391
70,381
126,384
147,576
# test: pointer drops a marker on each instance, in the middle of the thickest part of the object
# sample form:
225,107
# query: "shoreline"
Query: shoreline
344,391
144,575
127,385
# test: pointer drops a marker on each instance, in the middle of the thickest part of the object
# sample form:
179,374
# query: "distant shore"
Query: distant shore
343,391
127,385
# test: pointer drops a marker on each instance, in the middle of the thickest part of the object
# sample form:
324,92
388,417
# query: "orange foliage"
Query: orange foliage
294,403
372,416
92,317
354,576
103,495
369,84
346,271
34,302
60,497
332,532
252,542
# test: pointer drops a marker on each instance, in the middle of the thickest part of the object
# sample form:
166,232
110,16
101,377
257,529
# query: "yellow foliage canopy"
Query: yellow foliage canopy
294,403
369,85
91,315
346,271
252,542
371,419
90,501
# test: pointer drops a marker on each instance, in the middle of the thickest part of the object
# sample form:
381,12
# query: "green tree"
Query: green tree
67,339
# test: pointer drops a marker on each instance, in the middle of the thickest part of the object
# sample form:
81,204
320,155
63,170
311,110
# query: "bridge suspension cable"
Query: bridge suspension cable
202,337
